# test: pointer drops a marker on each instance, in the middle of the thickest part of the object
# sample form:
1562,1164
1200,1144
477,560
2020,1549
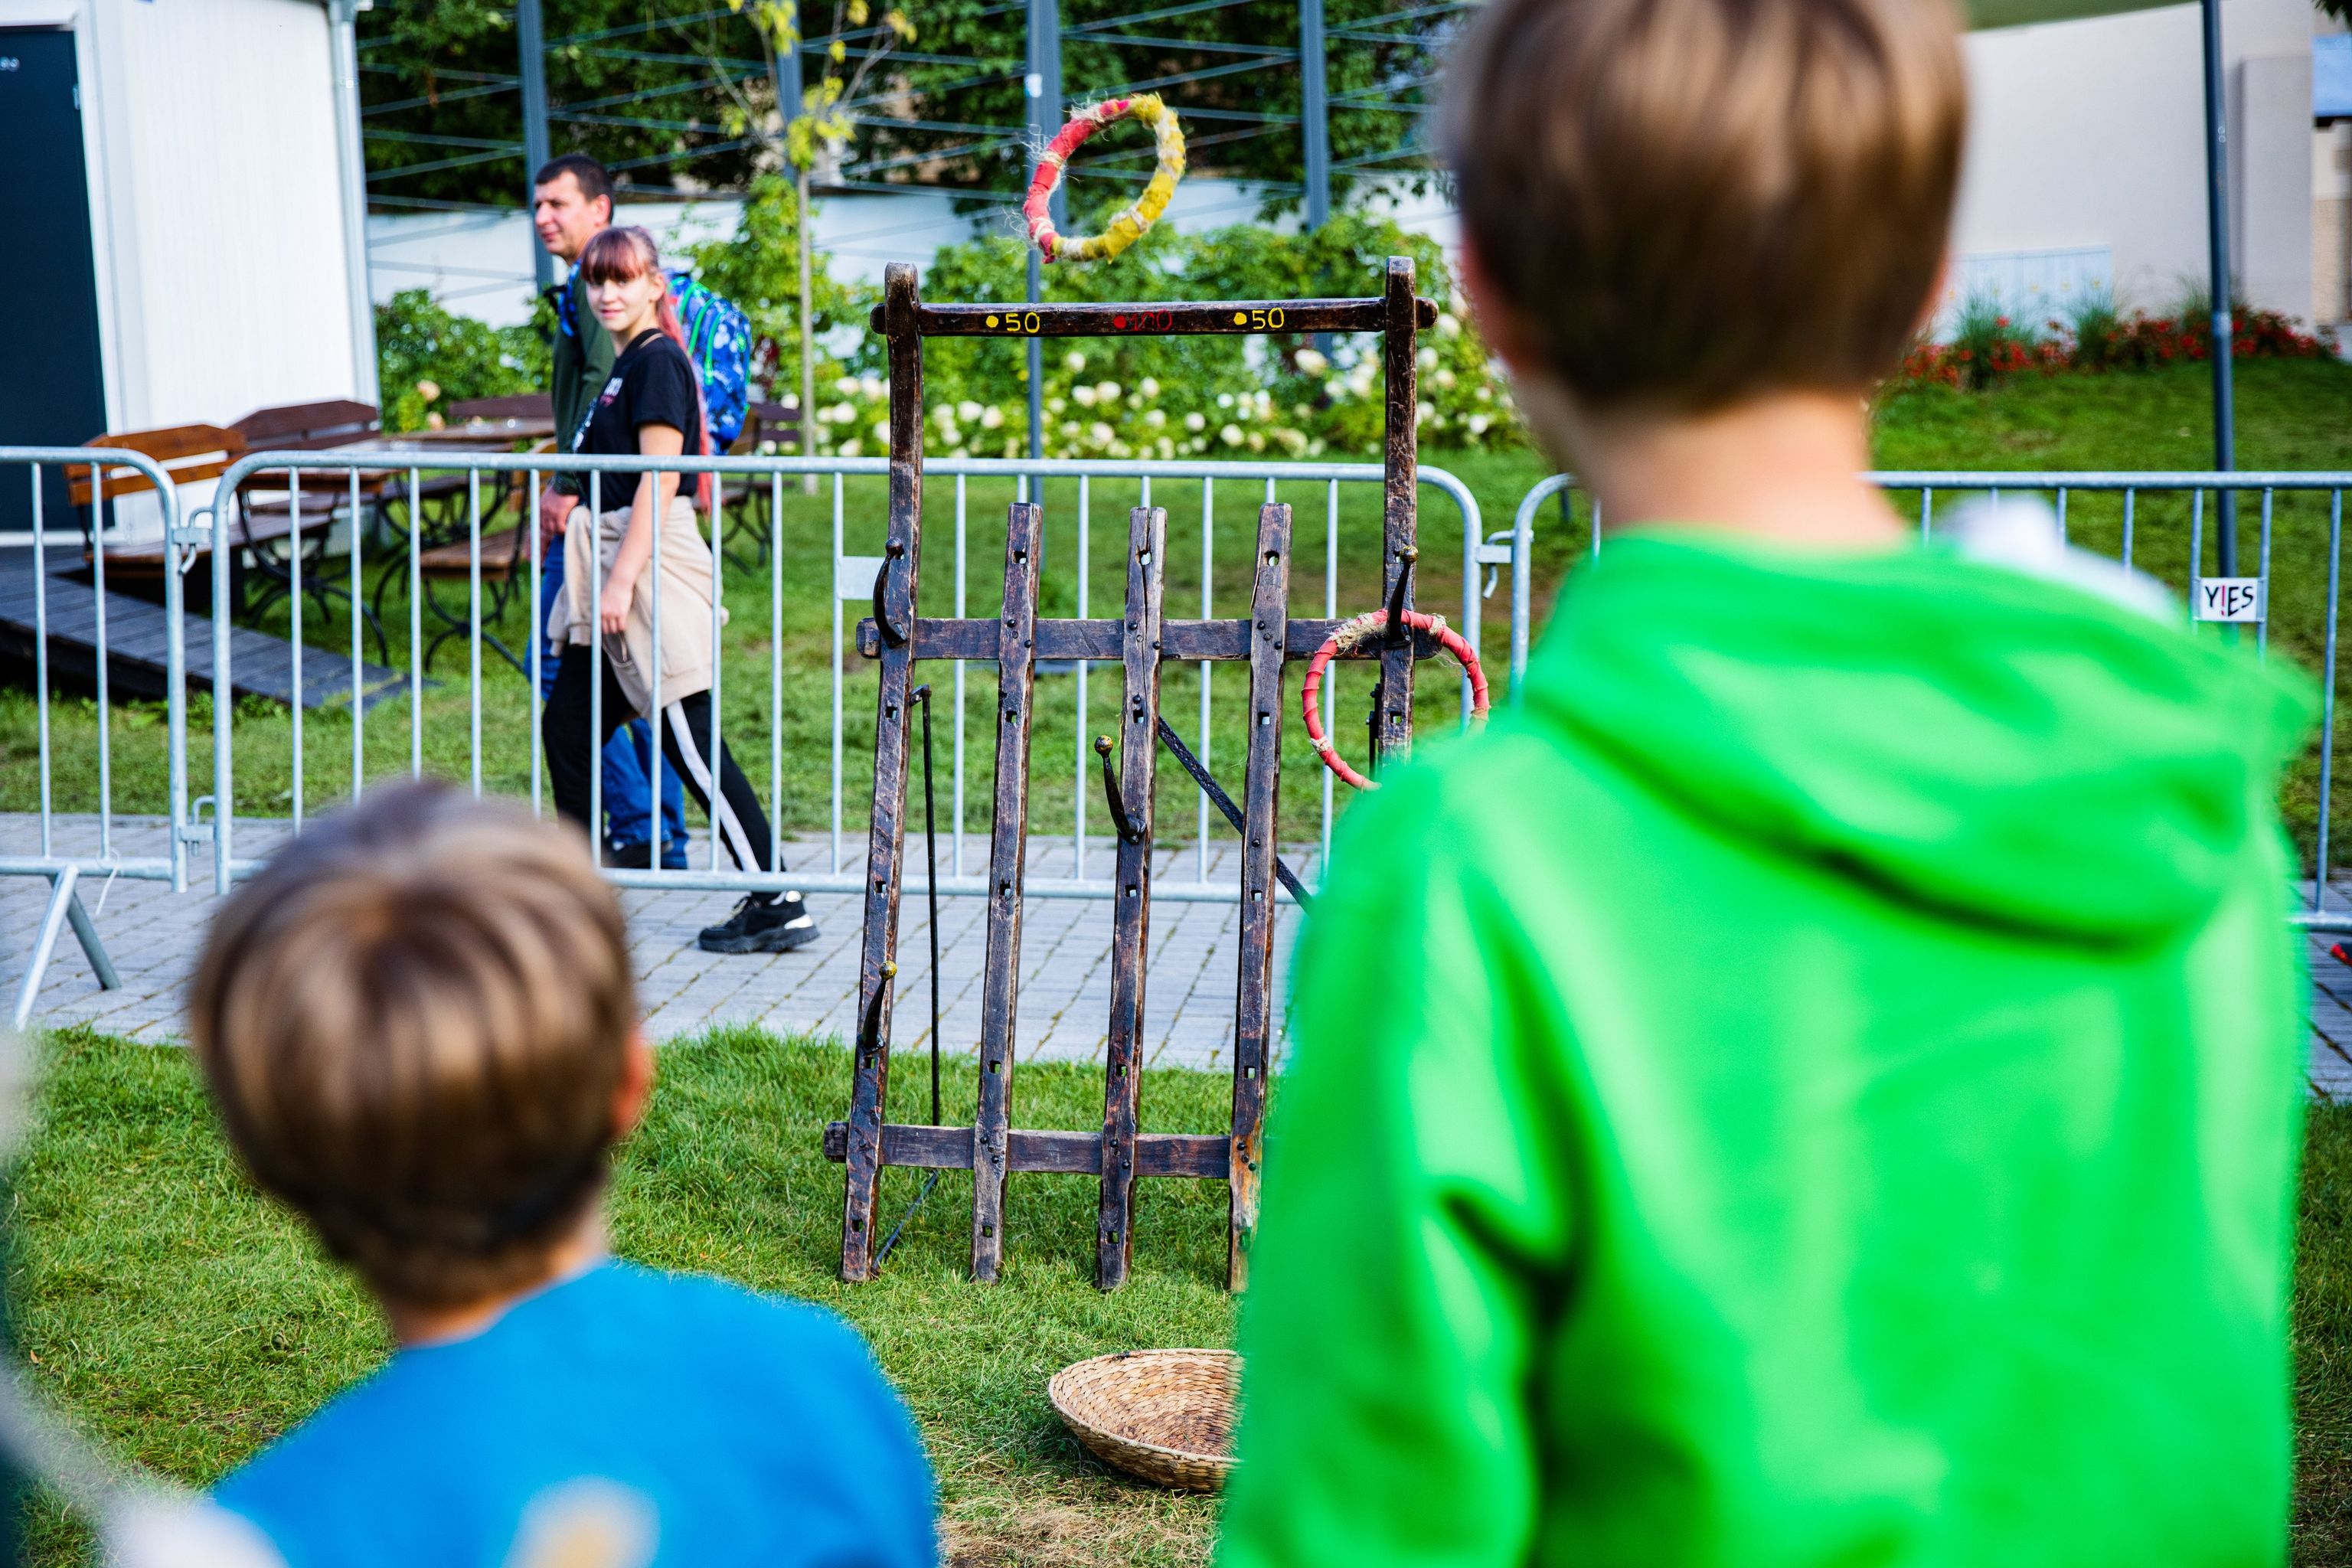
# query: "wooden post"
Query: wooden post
886,839
1253,1005
1016,674
1138,742
1393,737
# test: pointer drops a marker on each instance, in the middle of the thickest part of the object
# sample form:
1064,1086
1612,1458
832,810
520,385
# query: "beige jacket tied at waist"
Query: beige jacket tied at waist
685,603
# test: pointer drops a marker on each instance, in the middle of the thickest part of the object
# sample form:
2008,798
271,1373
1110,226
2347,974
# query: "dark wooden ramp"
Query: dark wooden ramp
137,658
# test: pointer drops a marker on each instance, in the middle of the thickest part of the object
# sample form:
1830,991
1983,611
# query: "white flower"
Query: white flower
1084,396
1292,441
992,417
871,385
791,400
847,387
1426,359
1099,432
1256,442
1149,386
882,431
1167,448
1446,378
1335,389
1069,427
841,414
1485,395
1055,405
1194,421
943,414
1224,400
1449,324
1231,435
848,449
949,436
968,411
1155,418
1312,364
1107,391
1075,361
1421,412
1479,423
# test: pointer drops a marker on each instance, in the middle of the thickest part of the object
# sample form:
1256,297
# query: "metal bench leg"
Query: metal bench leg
64,906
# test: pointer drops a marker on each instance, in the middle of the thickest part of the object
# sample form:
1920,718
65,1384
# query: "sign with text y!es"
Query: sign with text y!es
2229,599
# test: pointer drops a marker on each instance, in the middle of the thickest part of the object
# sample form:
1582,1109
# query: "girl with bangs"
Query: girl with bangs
652,405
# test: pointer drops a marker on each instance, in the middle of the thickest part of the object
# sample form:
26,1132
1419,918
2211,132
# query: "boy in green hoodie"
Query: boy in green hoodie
1818,1082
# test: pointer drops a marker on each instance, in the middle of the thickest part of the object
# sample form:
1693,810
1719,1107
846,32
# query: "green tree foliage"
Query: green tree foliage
428,359
635,82
679,92
758,267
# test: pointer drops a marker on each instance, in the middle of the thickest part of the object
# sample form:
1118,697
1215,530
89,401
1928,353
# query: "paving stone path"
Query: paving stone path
152,935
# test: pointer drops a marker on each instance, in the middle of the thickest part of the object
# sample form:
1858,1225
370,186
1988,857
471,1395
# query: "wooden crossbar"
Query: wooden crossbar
1186,642
1139,641
1163,317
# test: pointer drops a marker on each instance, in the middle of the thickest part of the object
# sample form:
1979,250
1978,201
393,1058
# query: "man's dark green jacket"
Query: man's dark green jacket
581,356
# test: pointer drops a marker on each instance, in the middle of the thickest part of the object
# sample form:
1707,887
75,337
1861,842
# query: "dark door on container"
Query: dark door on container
50,390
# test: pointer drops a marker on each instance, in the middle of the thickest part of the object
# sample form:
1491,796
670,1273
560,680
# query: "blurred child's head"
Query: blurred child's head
419,1028
1674,206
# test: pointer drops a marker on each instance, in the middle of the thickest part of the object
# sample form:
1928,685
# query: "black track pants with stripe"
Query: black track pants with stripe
685,727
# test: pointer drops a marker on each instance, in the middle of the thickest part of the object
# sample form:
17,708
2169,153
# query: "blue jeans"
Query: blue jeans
628,756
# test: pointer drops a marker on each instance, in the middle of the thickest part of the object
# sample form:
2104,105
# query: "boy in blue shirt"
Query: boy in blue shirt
420,1030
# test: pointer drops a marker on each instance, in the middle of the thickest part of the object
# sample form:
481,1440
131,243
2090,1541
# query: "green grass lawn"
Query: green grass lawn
186,1322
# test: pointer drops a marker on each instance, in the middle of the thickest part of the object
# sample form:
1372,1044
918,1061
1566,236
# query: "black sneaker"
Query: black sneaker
638,857
756,926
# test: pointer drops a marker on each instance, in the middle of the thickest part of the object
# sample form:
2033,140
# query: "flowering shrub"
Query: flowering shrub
1985,347
428,359
1167,397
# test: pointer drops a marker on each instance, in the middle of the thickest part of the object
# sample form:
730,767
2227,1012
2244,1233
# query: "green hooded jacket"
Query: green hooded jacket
1817,1082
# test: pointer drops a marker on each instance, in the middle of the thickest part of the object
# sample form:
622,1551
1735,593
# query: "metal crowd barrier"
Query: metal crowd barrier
2230,596
851,576
361,483
46,608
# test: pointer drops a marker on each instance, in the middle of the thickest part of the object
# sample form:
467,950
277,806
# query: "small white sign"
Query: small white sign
2229,599
852,576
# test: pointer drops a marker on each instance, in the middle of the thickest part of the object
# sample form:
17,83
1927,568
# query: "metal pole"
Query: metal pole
808,337
791,93
352,163
533,47
2217,229
1045,93
1315,113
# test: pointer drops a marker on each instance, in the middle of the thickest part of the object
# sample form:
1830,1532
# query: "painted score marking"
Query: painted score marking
2235,599
1018,323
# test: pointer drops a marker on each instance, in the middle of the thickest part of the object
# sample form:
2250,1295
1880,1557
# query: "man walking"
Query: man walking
572,201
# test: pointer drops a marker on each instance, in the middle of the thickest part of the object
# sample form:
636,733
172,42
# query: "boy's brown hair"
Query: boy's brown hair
1686,202
415,1021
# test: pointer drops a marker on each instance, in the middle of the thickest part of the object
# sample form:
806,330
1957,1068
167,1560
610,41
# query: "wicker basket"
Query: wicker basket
1165,1415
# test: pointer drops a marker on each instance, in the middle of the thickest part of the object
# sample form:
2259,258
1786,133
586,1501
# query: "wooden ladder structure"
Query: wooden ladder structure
992,1148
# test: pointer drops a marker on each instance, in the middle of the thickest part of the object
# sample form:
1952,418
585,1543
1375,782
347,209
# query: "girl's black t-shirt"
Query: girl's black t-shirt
652,383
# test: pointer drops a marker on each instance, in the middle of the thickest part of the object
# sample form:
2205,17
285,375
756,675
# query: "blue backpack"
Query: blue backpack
719,340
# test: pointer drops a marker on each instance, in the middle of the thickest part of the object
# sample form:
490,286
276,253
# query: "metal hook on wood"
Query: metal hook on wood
891,635
1128,830
869,1032
1396,632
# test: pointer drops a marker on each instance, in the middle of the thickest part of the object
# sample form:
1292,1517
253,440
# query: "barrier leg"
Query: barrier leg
85,930
45,941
